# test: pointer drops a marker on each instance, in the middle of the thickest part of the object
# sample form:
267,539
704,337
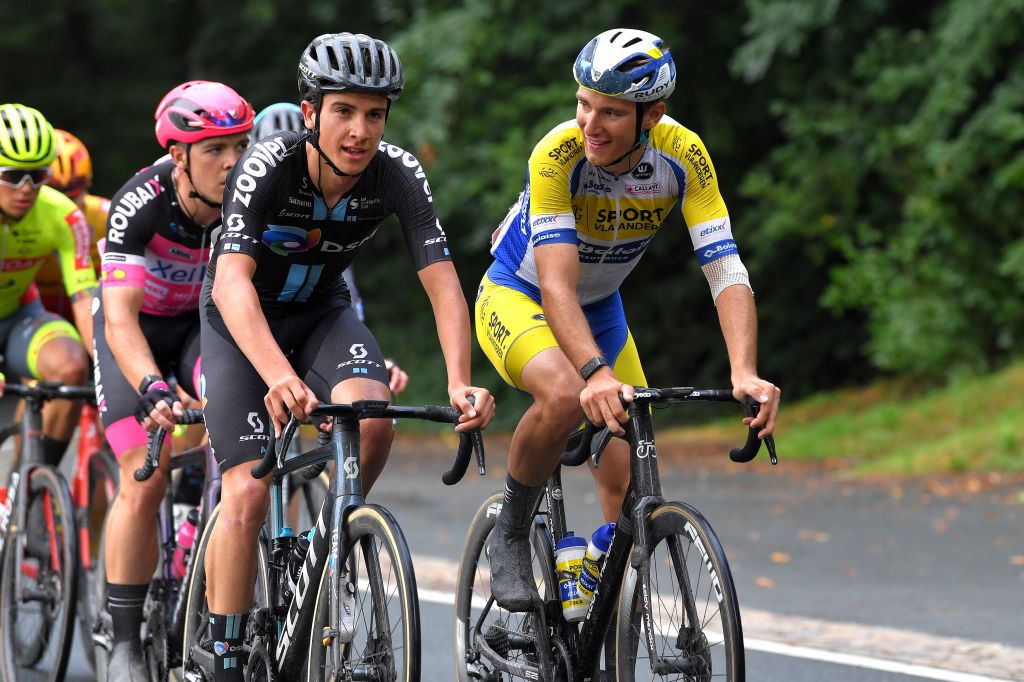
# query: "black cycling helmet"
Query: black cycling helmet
347,62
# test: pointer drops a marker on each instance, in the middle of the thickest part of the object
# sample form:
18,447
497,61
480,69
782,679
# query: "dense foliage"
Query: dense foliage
871,153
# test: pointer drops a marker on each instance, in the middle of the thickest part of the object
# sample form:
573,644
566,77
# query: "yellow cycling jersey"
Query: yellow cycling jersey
610,217
53,223
48,278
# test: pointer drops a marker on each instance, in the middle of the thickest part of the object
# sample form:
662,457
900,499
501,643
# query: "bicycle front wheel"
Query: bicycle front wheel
37,584
692,615
381,597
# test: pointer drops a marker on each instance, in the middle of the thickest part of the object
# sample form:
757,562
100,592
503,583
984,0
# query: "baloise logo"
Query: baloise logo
284,240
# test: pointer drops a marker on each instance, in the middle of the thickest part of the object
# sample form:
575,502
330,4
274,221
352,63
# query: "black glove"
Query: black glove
158,392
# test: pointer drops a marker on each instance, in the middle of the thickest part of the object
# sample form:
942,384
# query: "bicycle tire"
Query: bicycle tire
103,482
197,611
47,617
687,562
101,639
385,569
473,588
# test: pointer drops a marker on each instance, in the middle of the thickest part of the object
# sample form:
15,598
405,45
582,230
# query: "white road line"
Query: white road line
922,653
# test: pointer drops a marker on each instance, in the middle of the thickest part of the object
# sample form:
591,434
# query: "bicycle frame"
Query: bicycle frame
293,618
585,640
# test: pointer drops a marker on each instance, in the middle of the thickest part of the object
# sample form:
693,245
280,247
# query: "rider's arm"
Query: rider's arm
73,244
451,315
558,270
121,305
239,307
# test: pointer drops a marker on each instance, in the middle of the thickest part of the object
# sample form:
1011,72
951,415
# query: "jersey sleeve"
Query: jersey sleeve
551,216
248,194
704,210
74,242
123,263
413,203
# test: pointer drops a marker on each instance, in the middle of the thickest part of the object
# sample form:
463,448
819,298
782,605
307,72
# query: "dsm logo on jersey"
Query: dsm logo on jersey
284,239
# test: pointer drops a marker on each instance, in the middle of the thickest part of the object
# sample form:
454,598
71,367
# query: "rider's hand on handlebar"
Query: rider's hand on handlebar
397,378
158,407
474,416
767,396
601,402
288,396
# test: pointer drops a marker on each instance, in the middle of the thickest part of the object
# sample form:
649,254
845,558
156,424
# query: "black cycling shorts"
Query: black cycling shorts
174,342
324,350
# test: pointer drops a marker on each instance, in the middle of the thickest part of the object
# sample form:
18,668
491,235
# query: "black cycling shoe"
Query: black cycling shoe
512,581
127,663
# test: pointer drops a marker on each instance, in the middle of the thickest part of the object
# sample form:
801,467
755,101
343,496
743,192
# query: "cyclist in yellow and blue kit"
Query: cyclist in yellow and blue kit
548,312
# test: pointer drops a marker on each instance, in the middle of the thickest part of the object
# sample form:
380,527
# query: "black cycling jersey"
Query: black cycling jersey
273,213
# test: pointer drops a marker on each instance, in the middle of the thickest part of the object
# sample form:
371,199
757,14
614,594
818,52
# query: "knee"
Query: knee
376,434
143,498
72,368
559,403
243,505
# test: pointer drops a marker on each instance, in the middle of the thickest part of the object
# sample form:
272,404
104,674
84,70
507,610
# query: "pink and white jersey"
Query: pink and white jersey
152,245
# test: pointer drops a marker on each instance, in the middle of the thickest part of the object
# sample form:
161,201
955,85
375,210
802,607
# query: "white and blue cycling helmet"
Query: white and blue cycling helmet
627,64
277,118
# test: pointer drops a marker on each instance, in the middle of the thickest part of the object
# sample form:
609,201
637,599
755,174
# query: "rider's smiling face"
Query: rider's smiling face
609,126
351,127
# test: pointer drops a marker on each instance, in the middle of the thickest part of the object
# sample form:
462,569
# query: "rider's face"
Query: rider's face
15,202
351,127
211,160
609,126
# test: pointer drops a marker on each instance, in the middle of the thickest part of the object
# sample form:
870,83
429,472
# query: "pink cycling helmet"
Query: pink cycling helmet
197,110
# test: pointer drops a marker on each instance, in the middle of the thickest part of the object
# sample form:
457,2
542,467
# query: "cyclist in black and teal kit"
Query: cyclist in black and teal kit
278,328
287,117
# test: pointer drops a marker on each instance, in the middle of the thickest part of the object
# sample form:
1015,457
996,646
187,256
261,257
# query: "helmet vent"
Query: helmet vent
632,42
615,37
332,59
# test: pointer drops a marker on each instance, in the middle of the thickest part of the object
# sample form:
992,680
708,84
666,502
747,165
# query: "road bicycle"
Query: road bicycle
340,600
665,607
39,548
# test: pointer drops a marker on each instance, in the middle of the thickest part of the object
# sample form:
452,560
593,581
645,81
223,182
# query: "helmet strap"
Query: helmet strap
193,193
639,140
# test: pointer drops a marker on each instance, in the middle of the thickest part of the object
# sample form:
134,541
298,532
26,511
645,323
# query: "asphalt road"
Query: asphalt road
838,580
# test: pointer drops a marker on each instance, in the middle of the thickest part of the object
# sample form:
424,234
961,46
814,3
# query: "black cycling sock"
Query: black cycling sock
125,605
519,506
228,632
53,450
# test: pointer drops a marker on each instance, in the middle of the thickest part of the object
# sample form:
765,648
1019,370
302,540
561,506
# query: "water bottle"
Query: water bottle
186,538
590,573
568,561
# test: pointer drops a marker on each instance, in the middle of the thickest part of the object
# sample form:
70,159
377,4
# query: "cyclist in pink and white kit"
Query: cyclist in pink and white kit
147,326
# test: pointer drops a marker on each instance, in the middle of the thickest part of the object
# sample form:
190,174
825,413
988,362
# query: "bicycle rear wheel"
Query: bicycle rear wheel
473,591
693,609
386,639
37,584
103,481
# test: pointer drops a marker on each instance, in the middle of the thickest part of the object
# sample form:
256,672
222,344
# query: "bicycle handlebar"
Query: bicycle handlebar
156,441
51,390
589,446
374,409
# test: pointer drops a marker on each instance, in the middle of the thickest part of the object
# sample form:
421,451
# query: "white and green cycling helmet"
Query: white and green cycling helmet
278,118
